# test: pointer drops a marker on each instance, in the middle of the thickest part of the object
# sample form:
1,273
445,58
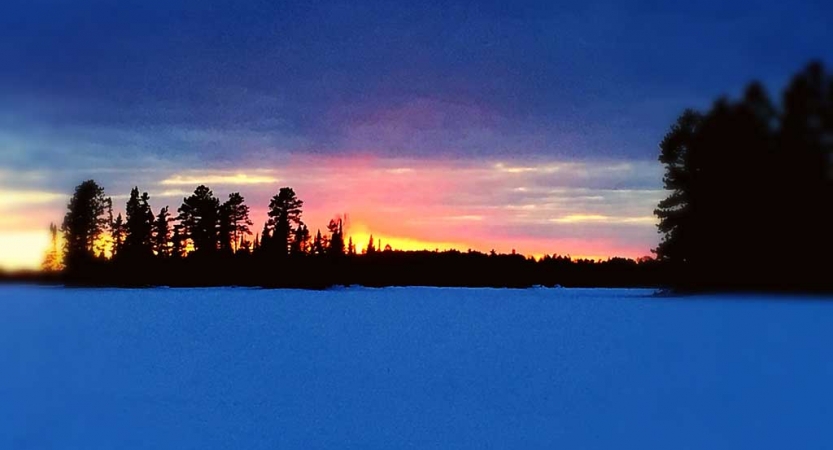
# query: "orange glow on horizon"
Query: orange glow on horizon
27,250
360,234
407,204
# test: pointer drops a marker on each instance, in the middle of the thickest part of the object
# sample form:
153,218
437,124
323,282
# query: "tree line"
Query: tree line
751,190
204,227
750,185
210,242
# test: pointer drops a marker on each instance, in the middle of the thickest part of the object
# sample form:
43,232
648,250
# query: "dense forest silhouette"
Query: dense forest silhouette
210,243
749,207
751,187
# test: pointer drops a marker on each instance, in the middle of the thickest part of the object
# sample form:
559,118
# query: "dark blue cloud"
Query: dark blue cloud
591,80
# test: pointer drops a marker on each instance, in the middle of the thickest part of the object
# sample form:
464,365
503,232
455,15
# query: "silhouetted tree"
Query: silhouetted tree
84,222
225,235
117,234
138,241
300,240
178,243
234,222
318,246
750,188
162,233
370,247
199,218
336,230
674,212
201,221
805,166
285,210
244,247
265,243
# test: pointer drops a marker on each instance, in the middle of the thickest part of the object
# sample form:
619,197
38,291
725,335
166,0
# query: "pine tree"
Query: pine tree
300,240
265,243
234,222
285,210
370,248
674,212
138,242
178,243
199,218
117,233
244,247
336,229
750,179
84,223
162,234
318,246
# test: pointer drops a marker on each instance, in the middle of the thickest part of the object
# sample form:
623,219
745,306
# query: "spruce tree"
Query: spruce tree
285,210
162,233
336,230
117,233
370,248
85,221
138,242
199,216
178,245
750,185
300,240
234,222
318,245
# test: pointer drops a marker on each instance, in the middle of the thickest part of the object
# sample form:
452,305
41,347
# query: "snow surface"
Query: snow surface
416,368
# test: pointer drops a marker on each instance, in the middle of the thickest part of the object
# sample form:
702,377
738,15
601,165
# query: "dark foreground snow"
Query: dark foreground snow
411,368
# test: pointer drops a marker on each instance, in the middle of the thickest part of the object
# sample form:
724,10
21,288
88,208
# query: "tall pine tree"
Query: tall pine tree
285,210
750,188
199,217
84,223
138,241
162,233
234,222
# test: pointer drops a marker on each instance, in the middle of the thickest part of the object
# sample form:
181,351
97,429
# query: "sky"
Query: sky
527,126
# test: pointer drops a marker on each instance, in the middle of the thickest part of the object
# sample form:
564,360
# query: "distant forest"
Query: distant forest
211,243
749,207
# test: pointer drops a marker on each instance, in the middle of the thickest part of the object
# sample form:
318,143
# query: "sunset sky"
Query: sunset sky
483,125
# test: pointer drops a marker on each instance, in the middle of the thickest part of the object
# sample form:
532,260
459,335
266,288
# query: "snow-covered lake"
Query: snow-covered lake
415,368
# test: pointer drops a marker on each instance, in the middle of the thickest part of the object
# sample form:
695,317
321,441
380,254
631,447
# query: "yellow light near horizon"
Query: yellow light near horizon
104,243
222,179
360,234
23,250
15,198
27,250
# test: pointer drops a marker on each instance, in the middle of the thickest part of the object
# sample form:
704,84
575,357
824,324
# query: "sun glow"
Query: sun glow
407,204
218,179
360,234
23,249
